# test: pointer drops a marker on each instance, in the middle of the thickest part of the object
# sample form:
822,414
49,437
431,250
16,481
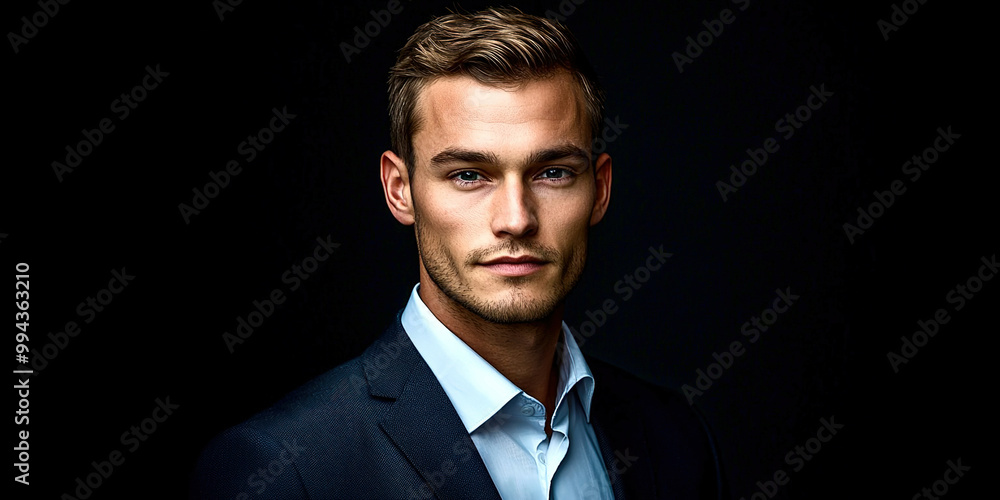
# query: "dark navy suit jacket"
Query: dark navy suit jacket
381,427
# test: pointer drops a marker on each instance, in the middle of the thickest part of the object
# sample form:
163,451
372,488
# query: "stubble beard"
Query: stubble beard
516,306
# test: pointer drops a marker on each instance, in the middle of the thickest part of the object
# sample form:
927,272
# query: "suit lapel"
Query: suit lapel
423,423
608,454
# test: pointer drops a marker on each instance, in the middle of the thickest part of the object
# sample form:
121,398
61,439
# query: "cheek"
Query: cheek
570,227
451,210
571,214
441,222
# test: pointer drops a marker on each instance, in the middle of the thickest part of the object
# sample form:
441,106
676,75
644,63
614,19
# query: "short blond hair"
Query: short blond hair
496,46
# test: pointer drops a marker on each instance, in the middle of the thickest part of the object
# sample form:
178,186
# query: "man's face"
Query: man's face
503,195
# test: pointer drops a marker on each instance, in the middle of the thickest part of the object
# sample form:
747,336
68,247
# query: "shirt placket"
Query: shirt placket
534,412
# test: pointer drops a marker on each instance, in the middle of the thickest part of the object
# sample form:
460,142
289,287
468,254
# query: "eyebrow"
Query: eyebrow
457,155
558,153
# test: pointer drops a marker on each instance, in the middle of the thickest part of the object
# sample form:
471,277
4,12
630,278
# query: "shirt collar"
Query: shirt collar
476,389
574,373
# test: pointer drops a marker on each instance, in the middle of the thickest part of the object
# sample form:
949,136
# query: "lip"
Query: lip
514,266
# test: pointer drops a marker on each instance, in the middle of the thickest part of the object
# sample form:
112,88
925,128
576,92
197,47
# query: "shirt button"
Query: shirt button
541,458
528,410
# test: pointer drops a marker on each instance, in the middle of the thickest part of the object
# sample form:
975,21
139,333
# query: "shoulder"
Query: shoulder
675,435
274,453
314,441
625,386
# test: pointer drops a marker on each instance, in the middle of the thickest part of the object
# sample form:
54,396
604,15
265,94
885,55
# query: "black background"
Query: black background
826,357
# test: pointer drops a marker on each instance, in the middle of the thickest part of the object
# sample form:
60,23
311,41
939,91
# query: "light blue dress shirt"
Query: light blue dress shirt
507,425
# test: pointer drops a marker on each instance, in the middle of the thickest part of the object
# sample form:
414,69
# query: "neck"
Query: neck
525,353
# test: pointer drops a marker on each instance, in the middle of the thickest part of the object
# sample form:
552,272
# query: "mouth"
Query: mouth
514,266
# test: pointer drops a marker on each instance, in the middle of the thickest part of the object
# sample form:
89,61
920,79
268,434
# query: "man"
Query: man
479,390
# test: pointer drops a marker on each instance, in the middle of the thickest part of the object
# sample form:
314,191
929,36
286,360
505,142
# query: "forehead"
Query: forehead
461,112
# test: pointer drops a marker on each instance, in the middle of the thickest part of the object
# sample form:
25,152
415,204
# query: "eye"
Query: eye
556,174
467,178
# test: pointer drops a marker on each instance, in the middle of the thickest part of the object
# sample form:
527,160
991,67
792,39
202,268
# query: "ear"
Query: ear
396,184
602,178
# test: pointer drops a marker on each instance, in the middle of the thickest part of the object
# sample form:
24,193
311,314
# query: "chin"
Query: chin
513,311
512,306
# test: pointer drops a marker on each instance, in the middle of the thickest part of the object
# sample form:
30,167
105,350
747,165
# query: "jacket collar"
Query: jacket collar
422,422
425,427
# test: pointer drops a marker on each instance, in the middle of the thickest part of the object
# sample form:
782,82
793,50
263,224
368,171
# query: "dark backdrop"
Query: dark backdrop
222,75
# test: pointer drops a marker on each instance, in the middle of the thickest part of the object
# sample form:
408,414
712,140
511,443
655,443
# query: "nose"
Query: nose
514,210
